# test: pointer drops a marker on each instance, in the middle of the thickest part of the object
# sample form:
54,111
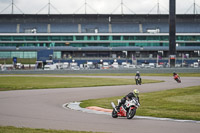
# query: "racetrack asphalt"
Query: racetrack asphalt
43,108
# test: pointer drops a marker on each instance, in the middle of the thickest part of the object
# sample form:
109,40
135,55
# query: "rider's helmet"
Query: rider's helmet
174,73
136,92
137,72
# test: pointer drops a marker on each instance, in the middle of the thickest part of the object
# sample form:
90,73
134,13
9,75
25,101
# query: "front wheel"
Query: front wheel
114,114
178,80
140,81
136,81
130,113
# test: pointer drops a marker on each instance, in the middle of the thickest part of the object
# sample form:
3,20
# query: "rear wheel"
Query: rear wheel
114,114
130,113
179,80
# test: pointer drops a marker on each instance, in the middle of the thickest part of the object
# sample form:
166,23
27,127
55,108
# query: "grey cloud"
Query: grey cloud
9,1
99,6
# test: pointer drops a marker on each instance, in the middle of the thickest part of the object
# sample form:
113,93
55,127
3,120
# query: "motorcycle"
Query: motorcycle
138,80
177,78
127,110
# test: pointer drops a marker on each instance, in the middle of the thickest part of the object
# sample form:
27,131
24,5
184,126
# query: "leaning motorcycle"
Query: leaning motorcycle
127,110
177,78
138,80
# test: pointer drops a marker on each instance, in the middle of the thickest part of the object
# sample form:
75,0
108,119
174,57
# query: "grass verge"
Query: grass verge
181,103
123,74
26,83
9,129
144,74
21,60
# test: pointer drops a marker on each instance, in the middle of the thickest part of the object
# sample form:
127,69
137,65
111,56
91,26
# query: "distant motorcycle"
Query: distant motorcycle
138,80
177,78
127,110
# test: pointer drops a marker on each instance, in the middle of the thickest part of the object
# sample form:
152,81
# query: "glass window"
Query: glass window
104,37
153,38
18,38
30,54
5,38
118,44
57,55
67,38
116,37
42,38
17,54
2,44
128,37
131,44
30,38
5,54
55,38
163,38
95,37
79,37
140,37
91,37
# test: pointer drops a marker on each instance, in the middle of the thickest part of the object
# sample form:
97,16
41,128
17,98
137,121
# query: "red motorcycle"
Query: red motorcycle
177,78
127,110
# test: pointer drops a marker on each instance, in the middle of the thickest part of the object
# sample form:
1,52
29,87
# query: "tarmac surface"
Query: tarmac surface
43,108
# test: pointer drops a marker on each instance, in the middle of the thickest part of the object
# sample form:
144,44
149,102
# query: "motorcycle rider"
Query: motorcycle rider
139,78
176,77
138,74
131,95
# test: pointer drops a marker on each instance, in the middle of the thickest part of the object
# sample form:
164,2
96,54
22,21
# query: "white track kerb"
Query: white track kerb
75,106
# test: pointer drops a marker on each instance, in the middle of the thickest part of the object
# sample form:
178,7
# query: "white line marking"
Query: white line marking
75,106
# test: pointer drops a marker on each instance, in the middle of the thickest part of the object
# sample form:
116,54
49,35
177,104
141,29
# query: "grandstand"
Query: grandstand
86,37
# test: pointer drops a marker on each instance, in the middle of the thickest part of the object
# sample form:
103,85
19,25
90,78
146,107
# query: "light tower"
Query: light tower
122,11
172,33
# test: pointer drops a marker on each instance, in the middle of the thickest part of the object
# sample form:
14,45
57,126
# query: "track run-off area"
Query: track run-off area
43,108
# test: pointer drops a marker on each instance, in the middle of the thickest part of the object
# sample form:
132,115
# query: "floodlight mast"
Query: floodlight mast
12,7
85,7
194,10
158,7
49,7
172,32
122,12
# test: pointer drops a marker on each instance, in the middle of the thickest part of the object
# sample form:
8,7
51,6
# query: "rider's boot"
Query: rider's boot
118,107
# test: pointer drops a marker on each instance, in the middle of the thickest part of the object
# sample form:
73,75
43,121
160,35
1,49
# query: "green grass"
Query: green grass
143,74
20,60
24,83
122,74
181,103
9,129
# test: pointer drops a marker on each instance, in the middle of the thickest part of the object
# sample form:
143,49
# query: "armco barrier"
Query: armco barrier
97,71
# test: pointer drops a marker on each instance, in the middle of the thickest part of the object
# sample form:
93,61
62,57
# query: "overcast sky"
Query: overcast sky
97,6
